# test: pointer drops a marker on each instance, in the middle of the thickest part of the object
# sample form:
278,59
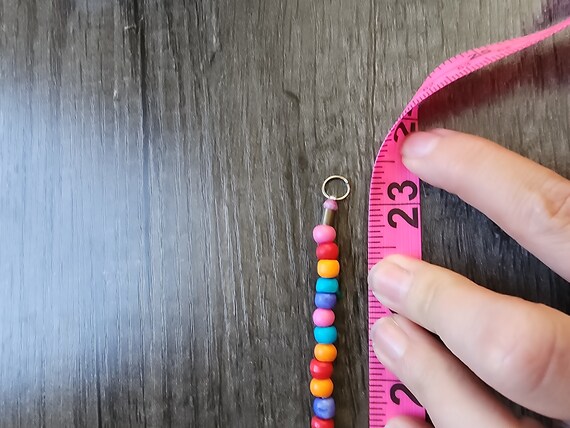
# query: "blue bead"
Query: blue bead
324,408
327,285
325,300
326,335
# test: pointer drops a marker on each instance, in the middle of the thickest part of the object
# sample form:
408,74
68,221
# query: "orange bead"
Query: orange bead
322,388
328,268
325,353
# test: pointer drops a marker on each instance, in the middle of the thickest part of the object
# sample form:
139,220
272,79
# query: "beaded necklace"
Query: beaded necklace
325,333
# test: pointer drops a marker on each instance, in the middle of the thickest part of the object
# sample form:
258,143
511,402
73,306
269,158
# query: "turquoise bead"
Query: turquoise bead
327,285
326,335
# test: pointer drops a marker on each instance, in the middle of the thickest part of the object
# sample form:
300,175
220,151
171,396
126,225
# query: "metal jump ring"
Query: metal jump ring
336,177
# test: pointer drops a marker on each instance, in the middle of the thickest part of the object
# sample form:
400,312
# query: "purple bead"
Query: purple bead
330,204
324,408
325,300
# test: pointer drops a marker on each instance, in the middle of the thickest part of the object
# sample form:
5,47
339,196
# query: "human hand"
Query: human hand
520,349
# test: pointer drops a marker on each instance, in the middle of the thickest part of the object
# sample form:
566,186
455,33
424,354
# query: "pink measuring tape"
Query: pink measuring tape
394,224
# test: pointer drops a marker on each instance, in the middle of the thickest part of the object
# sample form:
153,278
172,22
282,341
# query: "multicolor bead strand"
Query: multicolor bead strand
325,333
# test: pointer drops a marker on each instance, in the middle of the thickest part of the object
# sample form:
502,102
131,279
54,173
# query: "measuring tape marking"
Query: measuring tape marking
394,221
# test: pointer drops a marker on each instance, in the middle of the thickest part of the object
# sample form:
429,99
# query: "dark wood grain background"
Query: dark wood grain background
160,170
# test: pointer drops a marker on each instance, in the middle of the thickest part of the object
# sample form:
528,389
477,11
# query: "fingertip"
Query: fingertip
441,157
422,143
419,145
389,341
408,263
443,132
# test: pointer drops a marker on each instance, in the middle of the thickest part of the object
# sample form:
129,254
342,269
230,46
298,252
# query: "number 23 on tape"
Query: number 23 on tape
394,219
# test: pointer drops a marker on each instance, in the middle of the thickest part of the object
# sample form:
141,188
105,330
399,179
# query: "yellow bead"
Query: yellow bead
325,353
328,268
322,388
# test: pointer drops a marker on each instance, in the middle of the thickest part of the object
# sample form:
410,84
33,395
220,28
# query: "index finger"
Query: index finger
528,201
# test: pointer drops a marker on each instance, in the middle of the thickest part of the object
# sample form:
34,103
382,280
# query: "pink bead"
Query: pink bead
324,234
323,317
330,204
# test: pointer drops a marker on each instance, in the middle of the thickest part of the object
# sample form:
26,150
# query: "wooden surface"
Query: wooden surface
160,166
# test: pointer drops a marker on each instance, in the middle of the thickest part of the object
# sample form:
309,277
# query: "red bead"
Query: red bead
328,251
321,370
322,423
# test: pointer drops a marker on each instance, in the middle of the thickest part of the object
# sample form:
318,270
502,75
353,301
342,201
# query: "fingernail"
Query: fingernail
390,283
420,144
389,340
394,424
